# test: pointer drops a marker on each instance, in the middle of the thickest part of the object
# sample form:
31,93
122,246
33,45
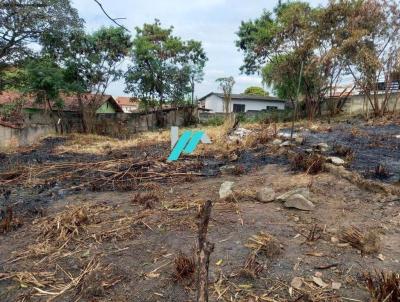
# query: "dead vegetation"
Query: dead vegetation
146,199
383,286
343,151
8,221
264,244
367,242
185,267
313,163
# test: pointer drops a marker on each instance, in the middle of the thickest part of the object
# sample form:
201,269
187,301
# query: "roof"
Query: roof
71,102
127,101
245,97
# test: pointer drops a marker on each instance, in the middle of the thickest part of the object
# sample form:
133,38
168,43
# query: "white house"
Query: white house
241,103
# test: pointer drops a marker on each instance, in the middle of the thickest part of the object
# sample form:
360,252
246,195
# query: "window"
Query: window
239,107
272,108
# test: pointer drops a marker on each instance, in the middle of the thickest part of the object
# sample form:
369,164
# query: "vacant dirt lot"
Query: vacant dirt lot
108,221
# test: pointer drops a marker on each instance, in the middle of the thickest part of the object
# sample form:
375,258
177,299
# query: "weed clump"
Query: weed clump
310,163
185,267
383,286
367,243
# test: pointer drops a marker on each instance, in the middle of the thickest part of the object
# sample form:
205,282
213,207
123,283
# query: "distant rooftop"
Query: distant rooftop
245,97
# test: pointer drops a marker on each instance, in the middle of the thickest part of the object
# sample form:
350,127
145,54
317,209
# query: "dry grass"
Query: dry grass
185,267
343,151
366,242
383,286
147,199
264,243
97,144
310,163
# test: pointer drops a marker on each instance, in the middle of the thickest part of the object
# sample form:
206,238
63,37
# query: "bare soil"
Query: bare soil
110,246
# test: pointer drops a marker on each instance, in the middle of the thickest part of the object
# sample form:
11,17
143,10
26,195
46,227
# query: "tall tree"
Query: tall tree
226,84
164,68
371,48
92,62
27,22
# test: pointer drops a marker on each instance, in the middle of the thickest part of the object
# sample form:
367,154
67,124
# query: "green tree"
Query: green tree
279,42
226,84
164,68
45,80
92,62
27,22
255,90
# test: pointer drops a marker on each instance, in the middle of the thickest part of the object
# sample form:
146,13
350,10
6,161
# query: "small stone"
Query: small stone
285,144
227,169
299,140
336,160
226,189
334,239
336,285
299,202
319,282
277,141
318,274
381,257
296,283
323,147
303,191
266,195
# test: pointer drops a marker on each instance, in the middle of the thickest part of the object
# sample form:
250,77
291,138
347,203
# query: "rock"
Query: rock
286,134
266,195
296,283
299,140
228,169
323,147
319,282
277,141
309,150
302,191
336,285
336,160
285,144
226,189
299,202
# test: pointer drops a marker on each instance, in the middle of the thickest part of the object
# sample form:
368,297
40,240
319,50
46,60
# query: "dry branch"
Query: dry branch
205,250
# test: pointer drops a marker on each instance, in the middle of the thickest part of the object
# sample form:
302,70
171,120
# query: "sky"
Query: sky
213,22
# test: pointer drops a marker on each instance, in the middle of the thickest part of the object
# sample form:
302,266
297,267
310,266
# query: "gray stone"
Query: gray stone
302,191
227,169
323,147
298,201
226,189
277,141
336,160
299,140
285,144
266,194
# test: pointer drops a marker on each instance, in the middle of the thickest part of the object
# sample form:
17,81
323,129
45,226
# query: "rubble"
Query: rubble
299,202
305,192
265,194
336,160
226,189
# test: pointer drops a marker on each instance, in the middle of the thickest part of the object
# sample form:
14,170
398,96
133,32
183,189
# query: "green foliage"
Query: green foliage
92,60
44,79
214,121
23,22
255,90
164,68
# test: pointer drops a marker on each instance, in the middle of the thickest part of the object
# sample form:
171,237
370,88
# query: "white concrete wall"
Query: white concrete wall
10,137
216,104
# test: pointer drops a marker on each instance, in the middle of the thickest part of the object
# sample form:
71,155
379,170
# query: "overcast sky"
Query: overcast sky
214,22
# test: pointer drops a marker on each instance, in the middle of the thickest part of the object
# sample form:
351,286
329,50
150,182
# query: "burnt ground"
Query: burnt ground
373,145
113,246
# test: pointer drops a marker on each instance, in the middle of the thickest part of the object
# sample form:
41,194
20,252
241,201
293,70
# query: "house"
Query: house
104,104
241,103
128,104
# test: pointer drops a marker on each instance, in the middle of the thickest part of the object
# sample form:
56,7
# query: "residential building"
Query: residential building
128,104
241,103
